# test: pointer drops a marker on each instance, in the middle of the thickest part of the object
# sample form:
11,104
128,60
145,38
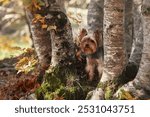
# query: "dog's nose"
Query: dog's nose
87,45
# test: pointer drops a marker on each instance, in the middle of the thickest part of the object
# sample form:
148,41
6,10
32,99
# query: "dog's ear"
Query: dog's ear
98,37
82,33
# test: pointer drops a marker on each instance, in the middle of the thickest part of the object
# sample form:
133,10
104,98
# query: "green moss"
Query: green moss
108,93
61,83
102,85
110,87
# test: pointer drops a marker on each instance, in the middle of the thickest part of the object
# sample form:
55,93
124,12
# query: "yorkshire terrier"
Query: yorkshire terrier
91,46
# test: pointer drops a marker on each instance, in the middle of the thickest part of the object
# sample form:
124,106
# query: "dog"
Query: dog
91,46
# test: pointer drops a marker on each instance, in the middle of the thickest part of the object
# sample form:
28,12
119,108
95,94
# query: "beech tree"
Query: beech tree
130,30
114,52
114,47
128,26
137,46
140,86
41,37
51,32
95,15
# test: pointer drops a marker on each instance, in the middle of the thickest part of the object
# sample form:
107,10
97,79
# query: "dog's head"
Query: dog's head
89,43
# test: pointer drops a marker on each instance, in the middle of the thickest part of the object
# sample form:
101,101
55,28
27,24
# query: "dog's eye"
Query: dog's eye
92,41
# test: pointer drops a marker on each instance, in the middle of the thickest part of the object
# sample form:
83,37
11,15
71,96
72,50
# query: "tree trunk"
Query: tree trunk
137,46
95,15
62,5
128,26
114,48
29,27
62,46
140,86
63,51
54,42
41,37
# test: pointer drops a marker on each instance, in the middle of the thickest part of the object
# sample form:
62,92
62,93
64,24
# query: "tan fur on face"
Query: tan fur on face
88,45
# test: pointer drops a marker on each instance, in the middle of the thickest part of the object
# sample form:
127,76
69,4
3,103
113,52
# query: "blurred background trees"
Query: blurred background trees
14,26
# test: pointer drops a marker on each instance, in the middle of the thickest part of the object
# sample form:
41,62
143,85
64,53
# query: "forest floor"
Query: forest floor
14,85
7,70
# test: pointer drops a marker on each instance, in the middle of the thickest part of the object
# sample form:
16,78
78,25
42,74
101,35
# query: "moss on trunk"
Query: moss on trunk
62,83
110,87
